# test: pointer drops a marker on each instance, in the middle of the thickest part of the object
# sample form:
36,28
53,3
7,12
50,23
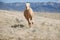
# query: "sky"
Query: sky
11,1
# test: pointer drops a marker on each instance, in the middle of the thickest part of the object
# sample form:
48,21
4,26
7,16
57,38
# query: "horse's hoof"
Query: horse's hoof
32,23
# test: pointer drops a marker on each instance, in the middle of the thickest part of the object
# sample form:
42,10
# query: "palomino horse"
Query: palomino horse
28,14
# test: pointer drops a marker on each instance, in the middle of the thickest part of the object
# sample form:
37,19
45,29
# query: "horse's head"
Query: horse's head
27,6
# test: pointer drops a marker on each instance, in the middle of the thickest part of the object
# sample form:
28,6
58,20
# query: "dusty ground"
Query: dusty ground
13,26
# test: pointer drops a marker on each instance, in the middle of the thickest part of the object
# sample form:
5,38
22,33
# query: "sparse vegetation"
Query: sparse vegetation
13,26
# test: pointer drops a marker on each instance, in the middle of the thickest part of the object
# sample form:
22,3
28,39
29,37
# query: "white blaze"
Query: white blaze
28,5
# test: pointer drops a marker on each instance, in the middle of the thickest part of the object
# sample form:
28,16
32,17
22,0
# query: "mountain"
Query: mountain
39,7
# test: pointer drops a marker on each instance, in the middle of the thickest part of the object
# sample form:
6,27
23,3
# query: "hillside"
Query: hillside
38,7
13,26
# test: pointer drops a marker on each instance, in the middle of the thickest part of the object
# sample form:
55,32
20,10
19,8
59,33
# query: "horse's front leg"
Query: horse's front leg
31,20
29,23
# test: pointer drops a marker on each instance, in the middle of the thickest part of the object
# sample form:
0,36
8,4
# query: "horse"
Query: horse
28,14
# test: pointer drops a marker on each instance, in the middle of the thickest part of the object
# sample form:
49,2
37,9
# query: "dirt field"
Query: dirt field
13,26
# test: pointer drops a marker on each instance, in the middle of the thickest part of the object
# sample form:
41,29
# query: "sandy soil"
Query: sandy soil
13,26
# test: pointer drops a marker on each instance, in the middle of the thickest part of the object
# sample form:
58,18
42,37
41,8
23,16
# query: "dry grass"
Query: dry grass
49,15
13,26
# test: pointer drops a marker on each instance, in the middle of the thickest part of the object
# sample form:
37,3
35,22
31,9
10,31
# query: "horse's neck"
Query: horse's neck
29,9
